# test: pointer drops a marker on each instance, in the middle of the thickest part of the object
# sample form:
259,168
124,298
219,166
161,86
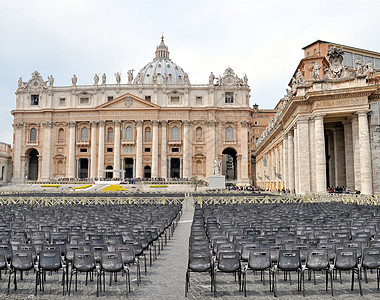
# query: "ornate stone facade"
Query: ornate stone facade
325,131
156,125
5,163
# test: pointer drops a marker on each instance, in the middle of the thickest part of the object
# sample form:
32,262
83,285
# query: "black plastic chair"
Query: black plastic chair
259,260
371,261
289,261
199,261
128,256
346,260
3,262
50,260
228,262
112,262
22,260
83,261
318,260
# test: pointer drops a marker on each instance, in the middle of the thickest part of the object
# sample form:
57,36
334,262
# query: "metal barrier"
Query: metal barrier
188,200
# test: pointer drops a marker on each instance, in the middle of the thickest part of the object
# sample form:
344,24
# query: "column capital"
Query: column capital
186,122
164,122
72,124
319,116
290,133
363,112
94,123
346,122
303,120
48,124
117,122
155,122
19,125
244,123
139,122
212,122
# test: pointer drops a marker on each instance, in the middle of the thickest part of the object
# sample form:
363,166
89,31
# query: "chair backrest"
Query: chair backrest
22,260
29,247
371,258
317,259
96,239
70,248
289,260
7,248
245,250
3,260
229,261
50,260
84,260
127,253
199,260
346,259
225,247
111,261
259,259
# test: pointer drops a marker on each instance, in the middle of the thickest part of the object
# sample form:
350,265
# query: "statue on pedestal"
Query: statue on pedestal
217,166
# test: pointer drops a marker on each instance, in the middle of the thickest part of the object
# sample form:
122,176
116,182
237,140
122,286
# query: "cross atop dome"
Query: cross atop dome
162,50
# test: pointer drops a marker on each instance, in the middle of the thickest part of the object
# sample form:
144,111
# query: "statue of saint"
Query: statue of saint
51,80
186,78
165,78
315,72
74,80
211,79
245,79
20,82
118,78
96,79
104,78
154,78
217,166
130,76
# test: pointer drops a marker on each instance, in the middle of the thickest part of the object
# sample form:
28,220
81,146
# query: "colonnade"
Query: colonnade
314,154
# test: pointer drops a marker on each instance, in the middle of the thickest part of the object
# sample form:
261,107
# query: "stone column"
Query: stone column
303,155
320,155
93,172
313,185
17,165
291,161
72,147
186,149
331,154
277,171
356,149
340,161
155,149
296,160
139,137
116,150
365,154
245,164
210,147
101,149
349,155
46,152
164,158
285,149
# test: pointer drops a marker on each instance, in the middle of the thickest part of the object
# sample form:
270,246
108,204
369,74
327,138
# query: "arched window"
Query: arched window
198,133
33,135
110,135
148,134
129,133
175,133
229,134
61,135
84,134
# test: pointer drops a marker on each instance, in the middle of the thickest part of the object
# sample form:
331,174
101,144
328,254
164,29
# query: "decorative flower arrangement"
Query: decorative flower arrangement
114,188
83,186
50,185
158,185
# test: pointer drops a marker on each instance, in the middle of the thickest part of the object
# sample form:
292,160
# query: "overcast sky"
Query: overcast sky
262,39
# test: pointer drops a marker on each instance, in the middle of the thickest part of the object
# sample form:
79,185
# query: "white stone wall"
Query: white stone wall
375,145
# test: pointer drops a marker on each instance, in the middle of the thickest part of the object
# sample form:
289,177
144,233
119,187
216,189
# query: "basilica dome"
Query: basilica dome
162,70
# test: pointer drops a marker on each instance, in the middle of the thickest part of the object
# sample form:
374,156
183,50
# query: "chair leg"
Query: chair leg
331,281
35,288
186,283
360,285
352,280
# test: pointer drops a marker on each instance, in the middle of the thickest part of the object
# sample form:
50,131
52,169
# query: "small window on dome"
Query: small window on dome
170,74
158,74
179,75
147,75
159,65
151,66
168,66
176,67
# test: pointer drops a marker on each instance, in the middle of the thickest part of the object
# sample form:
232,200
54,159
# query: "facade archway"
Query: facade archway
175,167
32,164
229,164
83,168
147,172
128,168
109,173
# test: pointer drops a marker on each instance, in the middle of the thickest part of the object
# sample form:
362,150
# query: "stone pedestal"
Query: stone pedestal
217,182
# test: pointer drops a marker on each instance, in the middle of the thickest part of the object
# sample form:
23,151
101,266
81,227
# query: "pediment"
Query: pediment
127,101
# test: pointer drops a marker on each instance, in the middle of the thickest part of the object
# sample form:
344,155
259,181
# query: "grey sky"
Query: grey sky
262,39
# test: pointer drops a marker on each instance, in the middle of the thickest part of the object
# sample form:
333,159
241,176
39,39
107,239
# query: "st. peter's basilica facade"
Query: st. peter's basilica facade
156,125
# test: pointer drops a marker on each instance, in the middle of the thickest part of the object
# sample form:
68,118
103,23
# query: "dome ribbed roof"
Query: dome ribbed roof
162,69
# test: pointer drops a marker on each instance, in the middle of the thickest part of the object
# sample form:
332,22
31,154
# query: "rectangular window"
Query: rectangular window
175,149
62,101
175,99
368,59
229,97
147,149
148,98
358,57
83,150
377,63
347,59
198,100
109,149
84,100
315,51
256,122
308,54
110,98
34,99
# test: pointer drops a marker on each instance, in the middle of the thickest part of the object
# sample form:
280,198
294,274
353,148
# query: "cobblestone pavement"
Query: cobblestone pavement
166,280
